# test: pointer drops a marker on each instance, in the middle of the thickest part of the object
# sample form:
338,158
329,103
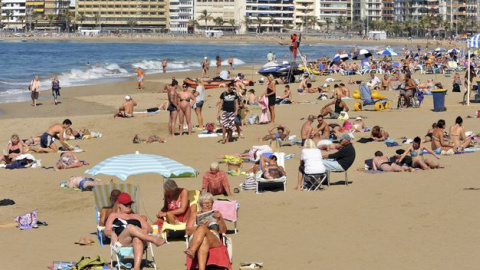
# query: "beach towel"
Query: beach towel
227,208
263,102
391,142
76,149
212,135
27,221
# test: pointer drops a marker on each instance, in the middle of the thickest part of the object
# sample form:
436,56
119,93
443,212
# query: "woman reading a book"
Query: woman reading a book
204,229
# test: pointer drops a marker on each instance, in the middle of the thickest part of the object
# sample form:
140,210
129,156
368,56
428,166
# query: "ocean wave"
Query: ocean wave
177,65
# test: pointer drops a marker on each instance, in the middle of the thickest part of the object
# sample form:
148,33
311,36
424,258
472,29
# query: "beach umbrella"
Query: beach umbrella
452,51
388,53
362,54
123,166
339,57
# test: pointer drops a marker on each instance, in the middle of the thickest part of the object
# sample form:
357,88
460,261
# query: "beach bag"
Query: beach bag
456,88
249,183
27,221
86,263
253,119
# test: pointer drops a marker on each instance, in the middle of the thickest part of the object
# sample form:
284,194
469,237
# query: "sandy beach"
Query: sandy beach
417,220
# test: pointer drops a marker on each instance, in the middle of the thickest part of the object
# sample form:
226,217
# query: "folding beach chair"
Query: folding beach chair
229,211
193,196
102,199
219,257
314,181
282,180
328,176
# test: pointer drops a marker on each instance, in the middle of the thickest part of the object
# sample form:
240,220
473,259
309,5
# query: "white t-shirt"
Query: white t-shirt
313,161
201,93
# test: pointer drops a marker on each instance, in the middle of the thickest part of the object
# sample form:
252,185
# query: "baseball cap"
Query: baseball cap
358,118
345,137
205,57
127,97
124,198
214,166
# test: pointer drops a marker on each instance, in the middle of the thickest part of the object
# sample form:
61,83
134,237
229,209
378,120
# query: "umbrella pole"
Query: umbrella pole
468,83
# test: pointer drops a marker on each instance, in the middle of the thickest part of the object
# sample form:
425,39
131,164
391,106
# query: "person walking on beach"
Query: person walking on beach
164,65
140,75
172,108
219,63
199,94
185,101
205,66
55,89
34,90
230,63
227,110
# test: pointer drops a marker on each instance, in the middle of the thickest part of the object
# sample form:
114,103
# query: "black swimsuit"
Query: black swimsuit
16,151
120,224
271,98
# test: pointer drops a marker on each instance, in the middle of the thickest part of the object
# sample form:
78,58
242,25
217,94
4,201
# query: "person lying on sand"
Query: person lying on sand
358,124
149,139
126,110
379,134
416,151
383,163
281,133
69,160
83,183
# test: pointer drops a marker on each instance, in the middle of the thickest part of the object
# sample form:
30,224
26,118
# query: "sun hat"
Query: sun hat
345,137
124,198
214,166
127,97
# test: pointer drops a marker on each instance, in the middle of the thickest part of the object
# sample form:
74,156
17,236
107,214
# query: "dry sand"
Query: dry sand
419,220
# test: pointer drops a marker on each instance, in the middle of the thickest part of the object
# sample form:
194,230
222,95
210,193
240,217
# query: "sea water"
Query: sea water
21,61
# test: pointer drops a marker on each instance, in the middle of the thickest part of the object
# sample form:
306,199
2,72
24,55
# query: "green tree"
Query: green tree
97,18
328,22
340,22
21,19
192,24
271,20
247,22
259,22
219,21
232,22
311,21
319,24
8,14
131,23
205,16
50,19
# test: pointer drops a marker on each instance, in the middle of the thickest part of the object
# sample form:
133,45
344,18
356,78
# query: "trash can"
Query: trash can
439,100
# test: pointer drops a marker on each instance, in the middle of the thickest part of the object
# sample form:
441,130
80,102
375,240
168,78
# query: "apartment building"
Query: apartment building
113,15
306,14
367,9
335,9
180,13
274,14
16,11
56,7
227,10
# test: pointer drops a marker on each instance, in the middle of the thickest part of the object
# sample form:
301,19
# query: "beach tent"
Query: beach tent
474,42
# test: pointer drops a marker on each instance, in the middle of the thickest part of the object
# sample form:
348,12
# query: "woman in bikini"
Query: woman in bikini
204,236
270,168
177,206
439,146
382,163
416,151
271,95
15,148
127,229
457,135
185,102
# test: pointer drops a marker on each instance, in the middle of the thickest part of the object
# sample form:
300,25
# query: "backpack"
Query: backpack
456,87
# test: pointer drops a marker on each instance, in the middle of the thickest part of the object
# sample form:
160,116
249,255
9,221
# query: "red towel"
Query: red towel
216,256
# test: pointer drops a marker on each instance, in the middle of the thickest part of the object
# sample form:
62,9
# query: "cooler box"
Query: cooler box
439,100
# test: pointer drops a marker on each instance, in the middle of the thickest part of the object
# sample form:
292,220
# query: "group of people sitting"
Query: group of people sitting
128,229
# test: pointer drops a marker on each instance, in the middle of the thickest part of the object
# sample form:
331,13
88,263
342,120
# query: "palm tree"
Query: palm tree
21,19
286,25
340,22
131,23
205,16
97,18
247,22
80,17
232,22
51,18
192,24
260,21
219,21
319,24
311,20
328,21
8,14
271,21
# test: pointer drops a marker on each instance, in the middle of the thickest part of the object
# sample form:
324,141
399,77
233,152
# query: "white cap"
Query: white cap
358,118
127,97
205,57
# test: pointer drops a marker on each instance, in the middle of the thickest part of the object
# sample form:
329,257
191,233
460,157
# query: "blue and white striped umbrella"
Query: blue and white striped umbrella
474,42
389,53
123,166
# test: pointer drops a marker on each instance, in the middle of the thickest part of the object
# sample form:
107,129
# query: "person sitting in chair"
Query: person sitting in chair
206,235
127,229
176,207
342,160
113,208
270,168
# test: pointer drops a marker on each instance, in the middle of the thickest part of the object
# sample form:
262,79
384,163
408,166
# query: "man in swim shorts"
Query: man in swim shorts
55,131
227,111
126,110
